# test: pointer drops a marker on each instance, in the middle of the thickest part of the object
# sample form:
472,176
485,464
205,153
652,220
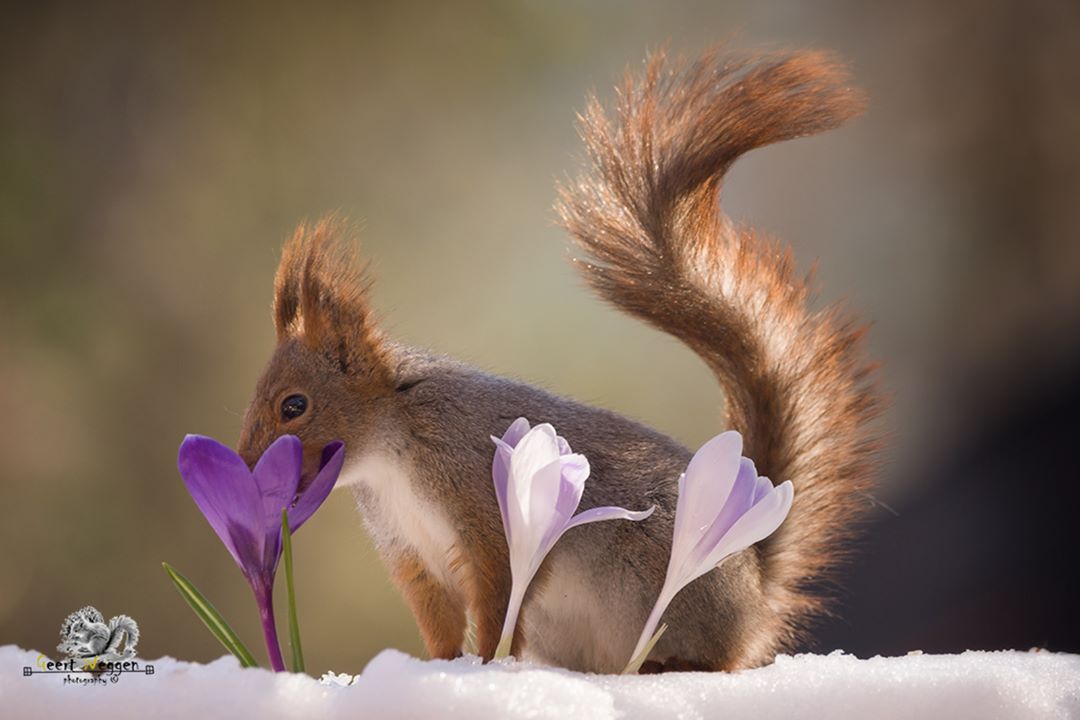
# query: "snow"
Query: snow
971,685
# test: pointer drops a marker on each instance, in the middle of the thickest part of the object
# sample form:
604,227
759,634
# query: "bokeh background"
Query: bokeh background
153,157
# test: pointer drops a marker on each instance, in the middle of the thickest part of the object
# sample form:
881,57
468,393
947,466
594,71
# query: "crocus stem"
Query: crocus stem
265,600
638,660
647,639
294,625
512,610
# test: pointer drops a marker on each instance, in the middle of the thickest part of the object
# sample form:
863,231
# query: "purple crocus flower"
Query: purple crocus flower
244,507
538,483
723,507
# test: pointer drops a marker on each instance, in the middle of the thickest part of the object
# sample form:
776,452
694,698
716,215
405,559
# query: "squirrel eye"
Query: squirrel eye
293,406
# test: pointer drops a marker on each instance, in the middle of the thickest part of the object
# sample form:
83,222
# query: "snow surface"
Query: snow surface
394,685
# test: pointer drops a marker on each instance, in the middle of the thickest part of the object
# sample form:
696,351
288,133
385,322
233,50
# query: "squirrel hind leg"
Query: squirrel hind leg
718,622
487,592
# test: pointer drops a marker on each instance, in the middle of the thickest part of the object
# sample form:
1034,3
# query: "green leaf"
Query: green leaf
294,626
635,664
211,617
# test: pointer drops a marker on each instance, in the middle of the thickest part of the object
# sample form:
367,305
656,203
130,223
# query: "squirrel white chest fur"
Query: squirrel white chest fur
400,519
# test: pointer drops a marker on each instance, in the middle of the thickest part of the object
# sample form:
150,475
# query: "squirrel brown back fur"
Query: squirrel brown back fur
647,213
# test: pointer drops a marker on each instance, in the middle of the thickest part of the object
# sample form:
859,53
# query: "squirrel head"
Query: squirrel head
329,375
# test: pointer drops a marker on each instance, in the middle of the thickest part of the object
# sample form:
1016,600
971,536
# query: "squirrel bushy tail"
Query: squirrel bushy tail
647,213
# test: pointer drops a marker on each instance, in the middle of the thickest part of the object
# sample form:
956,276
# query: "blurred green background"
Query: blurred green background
154,156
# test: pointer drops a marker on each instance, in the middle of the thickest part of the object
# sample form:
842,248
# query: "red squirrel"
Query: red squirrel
646,214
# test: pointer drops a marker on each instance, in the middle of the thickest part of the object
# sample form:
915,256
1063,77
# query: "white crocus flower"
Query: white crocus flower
723,508
539,482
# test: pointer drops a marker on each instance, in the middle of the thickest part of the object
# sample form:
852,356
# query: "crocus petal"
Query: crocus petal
710,477
758,523
509,506
608,513
764,485
739,501
254,566
690,556
277,475
536,450
557,530
704,489
575,470
222,487
333,457
544,494
500,474
515,432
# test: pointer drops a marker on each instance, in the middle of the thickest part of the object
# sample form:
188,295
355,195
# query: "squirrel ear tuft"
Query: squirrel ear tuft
320,297
287,284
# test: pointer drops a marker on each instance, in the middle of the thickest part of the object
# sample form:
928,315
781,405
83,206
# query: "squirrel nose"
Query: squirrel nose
249,458
248,449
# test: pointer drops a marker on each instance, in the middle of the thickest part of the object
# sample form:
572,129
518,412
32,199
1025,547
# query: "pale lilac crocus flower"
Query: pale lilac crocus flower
244,507
538,483
723,508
